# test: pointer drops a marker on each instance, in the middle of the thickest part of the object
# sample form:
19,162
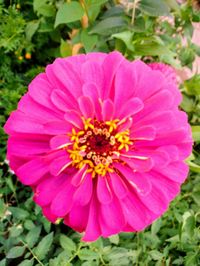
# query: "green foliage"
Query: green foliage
32,34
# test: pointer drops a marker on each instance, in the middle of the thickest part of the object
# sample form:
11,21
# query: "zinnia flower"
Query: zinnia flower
102,143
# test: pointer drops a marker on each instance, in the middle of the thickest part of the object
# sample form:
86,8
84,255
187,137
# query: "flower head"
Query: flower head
102,143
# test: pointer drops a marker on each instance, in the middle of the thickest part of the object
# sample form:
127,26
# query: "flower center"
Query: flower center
98,145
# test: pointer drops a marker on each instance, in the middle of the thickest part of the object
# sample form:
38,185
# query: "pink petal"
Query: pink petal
115,225
79,177
104,193
145,89
92,73
63,201
83,194
110,66
92,231
74,118
156,201
78,218
137,162
131,107
176,171
135,212
58,165
90,90
57,127
19,122
60,141
48,188
108,110
49,215
137,181
169,187
63,101
32,171
63,76
40,89
143,133
124,87
118,186
156,103
27,146
86,106
35,110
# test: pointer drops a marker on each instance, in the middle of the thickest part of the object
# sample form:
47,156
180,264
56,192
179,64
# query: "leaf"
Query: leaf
114,239
92,3
196,197
68,12
3,262
154,7
67,244
150,46
65,48
196,133
156,226
15,252
18,213
41,7
126,37
88,40
193,85
31,29
173,5
43,247
189,226
33,236
26,263
86,254
108,25
156,255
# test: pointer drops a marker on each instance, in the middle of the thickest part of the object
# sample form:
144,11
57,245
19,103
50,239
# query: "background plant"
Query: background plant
32,34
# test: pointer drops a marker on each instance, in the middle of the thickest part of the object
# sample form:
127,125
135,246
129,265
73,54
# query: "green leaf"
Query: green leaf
92,3
196,197
156,226
109,26
69,12
3,262
114,239
43,247
16,230
86,254
31,29
193,85
33,236
26,263
88,40
67,244
173,5
15,252
126,37
189,226
196,133
154,7
18,213
41,7
156,255
65,48
150,46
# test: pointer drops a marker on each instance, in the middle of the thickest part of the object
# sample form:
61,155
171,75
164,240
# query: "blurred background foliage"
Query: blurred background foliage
32,34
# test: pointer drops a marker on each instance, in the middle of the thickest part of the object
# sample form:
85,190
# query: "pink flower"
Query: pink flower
102,143
168,71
